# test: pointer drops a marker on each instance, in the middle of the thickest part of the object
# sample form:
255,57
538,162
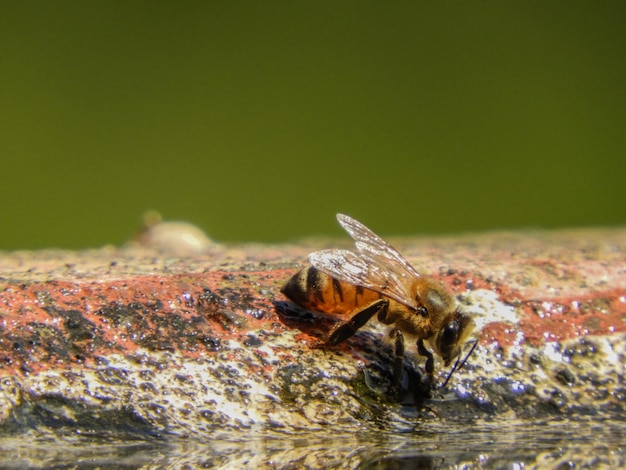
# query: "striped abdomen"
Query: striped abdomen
314,290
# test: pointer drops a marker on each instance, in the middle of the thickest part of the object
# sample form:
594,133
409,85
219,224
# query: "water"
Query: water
579,442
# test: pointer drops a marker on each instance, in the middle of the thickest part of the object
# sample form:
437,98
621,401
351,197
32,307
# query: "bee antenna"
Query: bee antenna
459,364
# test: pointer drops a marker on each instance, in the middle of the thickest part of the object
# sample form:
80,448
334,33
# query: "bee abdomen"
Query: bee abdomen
307,287
315,290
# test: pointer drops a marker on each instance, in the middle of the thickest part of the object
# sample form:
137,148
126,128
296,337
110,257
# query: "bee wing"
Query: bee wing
375,248
358,270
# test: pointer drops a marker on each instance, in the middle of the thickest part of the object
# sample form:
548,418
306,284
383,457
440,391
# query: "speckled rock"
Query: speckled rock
137,341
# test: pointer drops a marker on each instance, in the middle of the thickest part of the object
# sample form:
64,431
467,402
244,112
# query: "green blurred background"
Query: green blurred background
258,121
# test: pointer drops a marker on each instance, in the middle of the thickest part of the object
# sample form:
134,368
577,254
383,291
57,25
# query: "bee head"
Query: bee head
451,335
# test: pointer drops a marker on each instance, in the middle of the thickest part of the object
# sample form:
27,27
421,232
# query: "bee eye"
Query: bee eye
450,333
447,341
422,311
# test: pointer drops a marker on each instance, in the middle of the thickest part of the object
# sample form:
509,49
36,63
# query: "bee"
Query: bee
377,280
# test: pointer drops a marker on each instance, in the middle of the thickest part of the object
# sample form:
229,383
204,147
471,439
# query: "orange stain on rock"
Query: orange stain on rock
60,323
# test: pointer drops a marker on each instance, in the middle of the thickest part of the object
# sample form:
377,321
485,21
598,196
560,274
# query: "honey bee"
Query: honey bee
377,280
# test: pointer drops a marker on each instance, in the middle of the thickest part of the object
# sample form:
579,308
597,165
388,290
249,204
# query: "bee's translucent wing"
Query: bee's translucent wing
375,248
357,270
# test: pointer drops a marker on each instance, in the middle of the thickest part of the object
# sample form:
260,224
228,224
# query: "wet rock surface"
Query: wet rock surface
125,346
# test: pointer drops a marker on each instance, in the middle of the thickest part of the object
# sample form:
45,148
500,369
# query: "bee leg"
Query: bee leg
398,350
346,330
430,361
